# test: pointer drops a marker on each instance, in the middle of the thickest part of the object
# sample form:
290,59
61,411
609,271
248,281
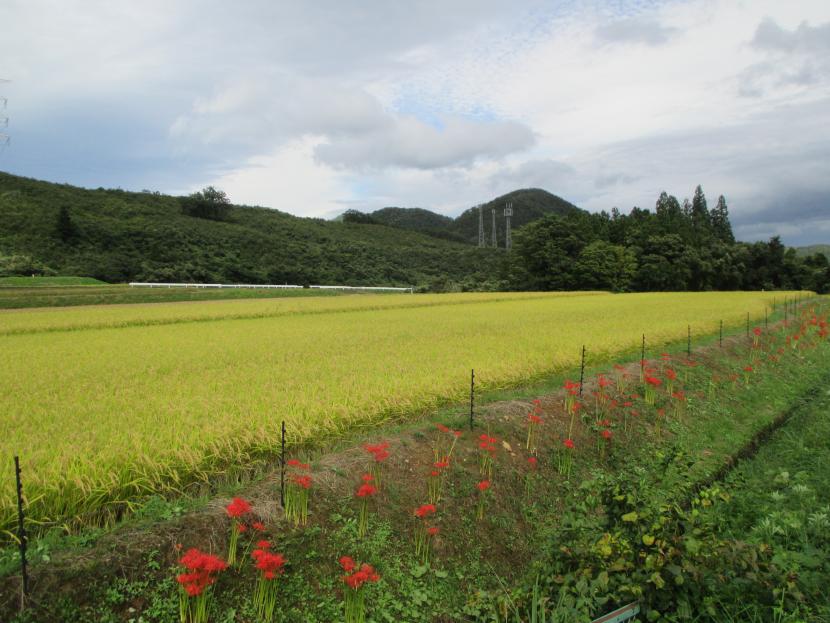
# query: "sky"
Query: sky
317,107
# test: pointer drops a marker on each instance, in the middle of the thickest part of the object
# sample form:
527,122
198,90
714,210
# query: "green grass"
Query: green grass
46,294
41,282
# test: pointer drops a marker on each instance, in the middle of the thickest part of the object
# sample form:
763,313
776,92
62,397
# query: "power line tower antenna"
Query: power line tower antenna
495,240
508,212
4,120
481,242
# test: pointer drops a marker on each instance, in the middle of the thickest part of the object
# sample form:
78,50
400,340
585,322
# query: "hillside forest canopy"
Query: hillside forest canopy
118,236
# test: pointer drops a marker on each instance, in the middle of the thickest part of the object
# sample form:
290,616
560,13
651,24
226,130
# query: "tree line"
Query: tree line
678,246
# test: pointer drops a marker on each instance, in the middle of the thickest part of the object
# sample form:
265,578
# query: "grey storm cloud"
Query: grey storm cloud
635,30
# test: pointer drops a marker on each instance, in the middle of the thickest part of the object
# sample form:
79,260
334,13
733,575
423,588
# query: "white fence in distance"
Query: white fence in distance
139,284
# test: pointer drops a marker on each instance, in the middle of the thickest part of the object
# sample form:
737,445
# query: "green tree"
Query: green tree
209,203
701,219
64,227
721,226
605,266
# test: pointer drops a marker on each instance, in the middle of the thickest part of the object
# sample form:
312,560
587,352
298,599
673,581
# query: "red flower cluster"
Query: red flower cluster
653,380
531,460
604,381
355,577
533,418
757,330
366,490
202,569
572,387
569,444
441,464
378,451
424,510
487,443
271,564
433,530
483,485
606,434
296,464
237,508
671,374
302,480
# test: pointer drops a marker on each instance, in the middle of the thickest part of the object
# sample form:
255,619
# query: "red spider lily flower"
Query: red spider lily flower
263,544
258,526
442,464
757,330
293,463
366,573
442,428
653,380
202,568
241,528
606,434
635,413
531,460
618,366
457,433
381,456
671,374
483,485
237,508
367,477
569,444
366,490
433,530
347,563
424,510
606,422
534,419
748,369
271,564
603,381
434,474
628,403
303,481
679,395
665,357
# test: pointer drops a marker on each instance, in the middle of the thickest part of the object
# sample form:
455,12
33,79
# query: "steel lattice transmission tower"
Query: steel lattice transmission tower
481,241
4,120
508,212
495,240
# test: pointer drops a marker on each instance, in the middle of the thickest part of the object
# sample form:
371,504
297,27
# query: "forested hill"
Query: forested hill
118,236
529,204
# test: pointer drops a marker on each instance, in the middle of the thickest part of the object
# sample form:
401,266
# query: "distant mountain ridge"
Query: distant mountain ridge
529,204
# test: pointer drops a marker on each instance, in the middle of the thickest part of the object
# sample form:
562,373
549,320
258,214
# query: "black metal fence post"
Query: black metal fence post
747,324
720,335
21,535
643,356
582,371
472,395
282,468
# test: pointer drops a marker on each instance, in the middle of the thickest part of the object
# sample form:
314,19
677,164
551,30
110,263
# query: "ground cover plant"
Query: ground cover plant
103,417
633,520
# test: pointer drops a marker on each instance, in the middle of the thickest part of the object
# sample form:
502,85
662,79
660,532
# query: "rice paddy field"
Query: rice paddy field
107,404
